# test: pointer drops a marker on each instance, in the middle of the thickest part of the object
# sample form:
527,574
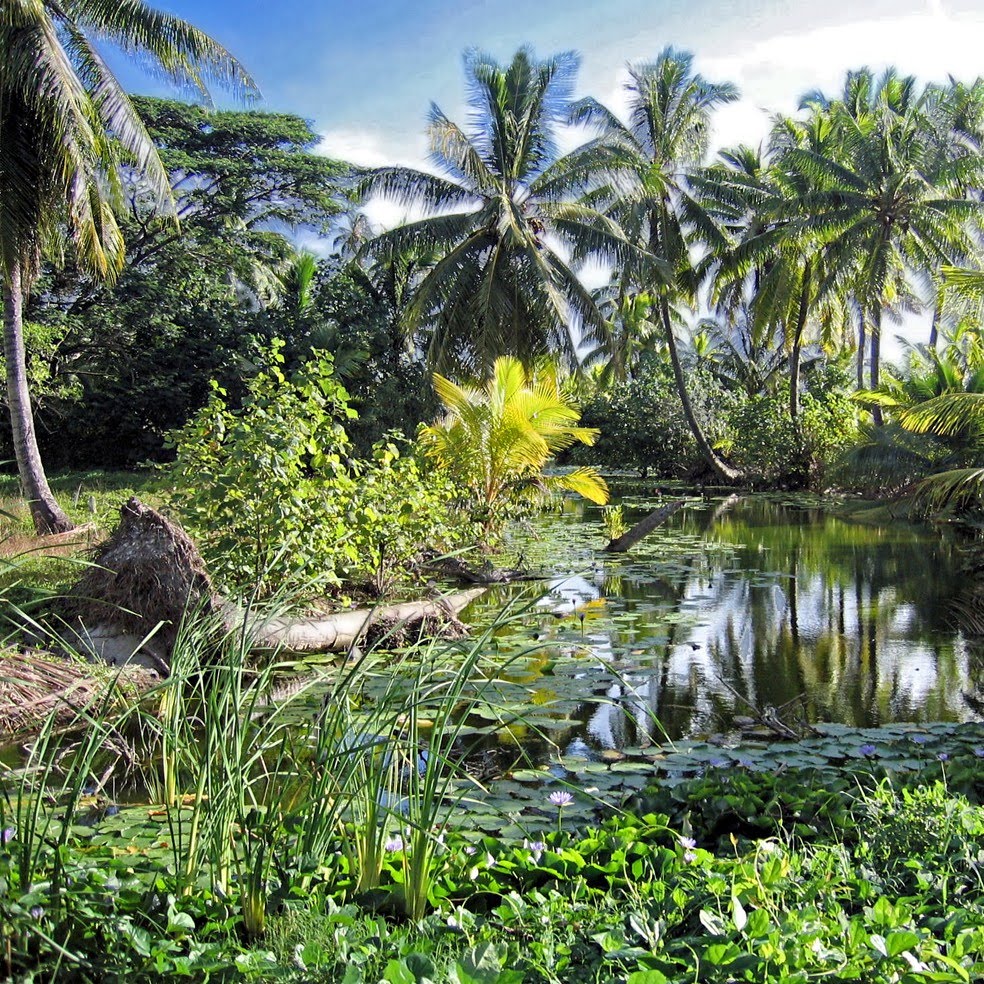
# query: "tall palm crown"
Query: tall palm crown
66,125
773,277
502,213
65,121
629,330
664,140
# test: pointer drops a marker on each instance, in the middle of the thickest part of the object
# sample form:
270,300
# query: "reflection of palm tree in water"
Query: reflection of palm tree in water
777,643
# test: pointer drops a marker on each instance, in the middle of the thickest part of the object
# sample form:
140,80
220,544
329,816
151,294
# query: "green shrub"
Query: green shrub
642,423
275,502
775,451
915,833
766,444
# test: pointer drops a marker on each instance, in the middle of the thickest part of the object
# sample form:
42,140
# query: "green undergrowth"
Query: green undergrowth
879,880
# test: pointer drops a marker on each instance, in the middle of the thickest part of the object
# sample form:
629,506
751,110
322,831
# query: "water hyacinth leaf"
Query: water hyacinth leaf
712,922
647,977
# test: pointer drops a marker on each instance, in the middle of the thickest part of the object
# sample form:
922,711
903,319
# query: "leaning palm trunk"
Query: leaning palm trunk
721,469
874,369
797,349
47,514
862,343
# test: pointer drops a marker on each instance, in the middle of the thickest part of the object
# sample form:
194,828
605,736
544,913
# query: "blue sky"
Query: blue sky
365,71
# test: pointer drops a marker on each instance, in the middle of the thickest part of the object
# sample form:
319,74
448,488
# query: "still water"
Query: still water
733,607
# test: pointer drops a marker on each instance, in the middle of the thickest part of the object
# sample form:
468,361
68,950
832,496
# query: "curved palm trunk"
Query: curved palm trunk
721,469
47,514
862,343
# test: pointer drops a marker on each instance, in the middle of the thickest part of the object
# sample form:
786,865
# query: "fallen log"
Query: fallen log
644,527
129,604
340,631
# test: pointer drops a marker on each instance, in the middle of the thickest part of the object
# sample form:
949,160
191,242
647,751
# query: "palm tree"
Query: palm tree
496,437
628,331
65,127
501,214
773,277
894,203
665,138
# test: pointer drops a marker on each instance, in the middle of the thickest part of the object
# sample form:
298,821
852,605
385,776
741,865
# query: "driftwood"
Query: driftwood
128,606
342,630
644,527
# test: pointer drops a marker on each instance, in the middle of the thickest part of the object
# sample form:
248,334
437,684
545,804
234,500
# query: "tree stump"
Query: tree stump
140,584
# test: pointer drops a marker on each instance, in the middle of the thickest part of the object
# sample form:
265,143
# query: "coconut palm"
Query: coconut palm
895,204
502,213
665,139
496,437
629,330
772,281
66,125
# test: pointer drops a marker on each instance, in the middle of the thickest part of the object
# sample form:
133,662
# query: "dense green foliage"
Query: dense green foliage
125,363
117,367
356,315
642,425
276,503
777,879
67,127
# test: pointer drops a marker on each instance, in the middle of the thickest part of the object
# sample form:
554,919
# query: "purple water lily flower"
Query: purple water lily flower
394,843
560,799
687,842
7,834
867,750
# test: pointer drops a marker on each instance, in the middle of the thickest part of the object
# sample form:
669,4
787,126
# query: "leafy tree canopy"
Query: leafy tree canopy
133,360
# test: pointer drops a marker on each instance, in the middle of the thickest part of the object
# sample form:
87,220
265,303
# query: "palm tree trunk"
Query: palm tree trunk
873,372
45,511
862,341
934,327
721,469
794,355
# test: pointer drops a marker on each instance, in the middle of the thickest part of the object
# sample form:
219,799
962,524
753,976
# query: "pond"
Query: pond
614,669
733,607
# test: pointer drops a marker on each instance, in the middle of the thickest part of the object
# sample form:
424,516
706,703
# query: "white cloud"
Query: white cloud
378,148
773,73
373,148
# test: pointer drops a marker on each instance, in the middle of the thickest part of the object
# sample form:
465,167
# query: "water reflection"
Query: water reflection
753,603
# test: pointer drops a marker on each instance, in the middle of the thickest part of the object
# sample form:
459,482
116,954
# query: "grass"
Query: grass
88,497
